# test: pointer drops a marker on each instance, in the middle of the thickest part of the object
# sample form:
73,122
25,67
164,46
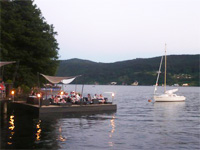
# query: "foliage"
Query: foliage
28,39
25,89
9,81
126,72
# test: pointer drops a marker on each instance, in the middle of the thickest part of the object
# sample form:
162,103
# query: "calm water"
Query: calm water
137,124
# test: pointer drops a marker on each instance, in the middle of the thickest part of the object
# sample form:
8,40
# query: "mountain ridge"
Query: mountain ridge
72,59
181,69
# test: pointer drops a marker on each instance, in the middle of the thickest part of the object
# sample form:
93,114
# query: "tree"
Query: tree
26,37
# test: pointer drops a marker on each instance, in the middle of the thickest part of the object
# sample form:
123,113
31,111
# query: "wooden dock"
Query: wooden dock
63,108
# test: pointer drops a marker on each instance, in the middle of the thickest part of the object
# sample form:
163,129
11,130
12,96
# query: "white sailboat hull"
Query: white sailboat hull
169,98
169,95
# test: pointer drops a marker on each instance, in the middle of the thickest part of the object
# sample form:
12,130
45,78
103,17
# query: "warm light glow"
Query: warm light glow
11,128
61,138
12,125
39,130
38,95
112,123
113,94
12,92
61,93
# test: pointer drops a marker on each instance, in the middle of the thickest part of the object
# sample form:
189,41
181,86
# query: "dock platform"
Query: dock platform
63,108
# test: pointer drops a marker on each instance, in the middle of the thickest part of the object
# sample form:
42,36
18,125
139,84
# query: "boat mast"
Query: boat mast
165,67
158,75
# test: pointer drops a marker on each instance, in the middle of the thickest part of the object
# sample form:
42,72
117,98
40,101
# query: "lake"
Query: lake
137,123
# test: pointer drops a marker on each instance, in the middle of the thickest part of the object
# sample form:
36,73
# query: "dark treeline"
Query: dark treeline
28,39
180,69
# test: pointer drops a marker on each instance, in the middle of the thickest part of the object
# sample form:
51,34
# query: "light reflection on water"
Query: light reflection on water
112,124
38,131
137,124
11,129
61,138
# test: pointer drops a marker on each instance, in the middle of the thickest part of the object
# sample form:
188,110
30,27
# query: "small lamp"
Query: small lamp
39,96
13,94
113,95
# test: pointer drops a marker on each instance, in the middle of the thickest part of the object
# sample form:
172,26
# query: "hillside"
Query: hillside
180,69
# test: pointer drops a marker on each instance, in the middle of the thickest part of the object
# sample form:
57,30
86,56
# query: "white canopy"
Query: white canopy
55,80
3,63
67,81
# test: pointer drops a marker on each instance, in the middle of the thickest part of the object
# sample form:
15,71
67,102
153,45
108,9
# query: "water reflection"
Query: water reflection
112,123
172,106
38,131
168,122
11,129
61,138
168,110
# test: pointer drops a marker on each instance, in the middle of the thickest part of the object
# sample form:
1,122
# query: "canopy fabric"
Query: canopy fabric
67,81
55,80
3,63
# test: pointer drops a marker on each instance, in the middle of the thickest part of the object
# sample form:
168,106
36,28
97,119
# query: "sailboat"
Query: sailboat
167,96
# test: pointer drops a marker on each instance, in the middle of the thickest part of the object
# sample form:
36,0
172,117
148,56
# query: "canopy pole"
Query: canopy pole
82,94
2,72
75,85
62,87
38,75
15,74
82,89
46,89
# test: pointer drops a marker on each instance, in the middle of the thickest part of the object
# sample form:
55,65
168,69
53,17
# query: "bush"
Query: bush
25,89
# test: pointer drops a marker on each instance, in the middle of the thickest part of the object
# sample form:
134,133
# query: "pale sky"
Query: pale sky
117,30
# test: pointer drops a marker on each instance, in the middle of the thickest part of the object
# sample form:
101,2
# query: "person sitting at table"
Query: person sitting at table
73,99
73,94
66,95
63,101
89,98
56,100
77,98
51,99
101,99
96,96
101,96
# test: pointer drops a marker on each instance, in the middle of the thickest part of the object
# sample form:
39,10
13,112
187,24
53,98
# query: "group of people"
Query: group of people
66,97
75,98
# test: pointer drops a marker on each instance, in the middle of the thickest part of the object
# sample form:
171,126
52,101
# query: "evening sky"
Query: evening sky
116,30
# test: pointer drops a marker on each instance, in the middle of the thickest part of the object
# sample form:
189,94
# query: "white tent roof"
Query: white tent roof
55,80
2,63
67,81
